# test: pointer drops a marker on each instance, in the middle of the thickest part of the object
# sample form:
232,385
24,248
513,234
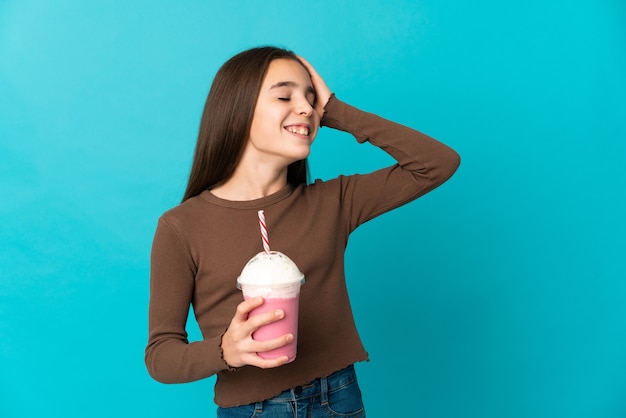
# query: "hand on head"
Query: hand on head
321,89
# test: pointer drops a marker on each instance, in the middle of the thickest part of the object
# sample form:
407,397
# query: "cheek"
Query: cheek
315,119
315,132
259,126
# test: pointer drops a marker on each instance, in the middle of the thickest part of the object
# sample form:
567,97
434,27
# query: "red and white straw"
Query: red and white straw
266,241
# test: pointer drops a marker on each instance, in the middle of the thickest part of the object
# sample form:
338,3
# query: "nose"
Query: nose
304,108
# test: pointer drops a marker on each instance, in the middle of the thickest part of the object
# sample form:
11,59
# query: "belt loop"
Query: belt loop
258,408
324,391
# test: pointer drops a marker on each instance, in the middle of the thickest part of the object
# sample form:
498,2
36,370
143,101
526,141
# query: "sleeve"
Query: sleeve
423,163
169,356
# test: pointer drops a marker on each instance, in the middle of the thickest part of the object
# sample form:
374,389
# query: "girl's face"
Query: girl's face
285,122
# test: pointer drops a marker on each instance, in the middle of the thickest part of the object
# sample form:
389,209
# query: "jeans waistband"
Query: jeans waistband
318,387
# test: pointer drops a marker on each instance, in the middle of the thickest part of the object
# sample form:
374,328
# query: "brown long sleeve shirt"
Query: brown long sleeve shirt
201,246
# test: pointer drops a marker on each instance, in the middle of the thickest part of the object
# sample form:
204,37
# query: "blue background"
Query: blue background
500,294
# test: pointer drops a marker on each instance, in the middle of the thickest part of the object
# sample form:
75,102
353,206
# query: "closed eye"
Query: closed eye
284,99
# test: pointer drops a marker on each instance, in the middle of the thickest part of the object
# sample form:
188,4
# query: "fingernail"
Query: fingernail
289,338
278,313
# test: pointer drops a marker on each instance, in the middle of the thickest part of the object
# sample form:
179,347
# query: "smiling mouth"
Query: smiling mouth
298,130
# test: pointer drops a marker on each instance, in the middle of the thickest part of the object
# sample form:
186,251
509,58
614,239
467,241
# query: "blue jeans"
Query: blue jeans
337,395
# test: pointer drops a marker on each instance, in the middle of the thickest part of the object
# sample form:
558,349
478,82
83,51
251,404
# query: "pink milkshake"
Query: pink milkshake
277,279
287,325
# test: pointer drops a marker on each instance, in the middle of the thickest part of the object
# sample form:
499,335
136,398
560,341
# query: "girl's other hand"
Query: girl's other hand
238,346
322,91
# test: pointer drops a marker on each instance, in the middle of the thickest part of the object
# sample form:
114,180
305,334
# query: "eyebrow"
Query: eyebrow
309,89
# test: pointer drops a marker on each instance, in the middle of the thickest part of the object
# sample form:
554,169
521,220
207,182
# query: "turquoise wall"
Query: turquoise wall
500,294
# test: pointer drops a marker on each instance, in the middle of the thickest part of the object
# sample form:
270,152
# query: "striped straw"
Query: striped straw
266,241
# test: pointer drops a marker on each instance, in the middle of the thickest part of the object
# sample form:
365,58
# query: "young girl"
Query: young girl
261,116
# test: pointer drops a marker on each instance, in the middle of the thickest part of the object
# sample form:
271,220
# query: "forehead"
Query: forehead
286,70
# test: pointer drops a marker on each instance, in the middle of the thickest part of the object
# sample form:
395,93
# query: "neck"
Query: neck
251,184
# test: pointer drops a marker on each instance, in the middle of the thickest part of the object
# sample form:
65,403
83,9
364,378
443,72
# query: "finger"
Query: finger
257,321
317,80
245,307
249,348
308,66
322,90
267,345
256,360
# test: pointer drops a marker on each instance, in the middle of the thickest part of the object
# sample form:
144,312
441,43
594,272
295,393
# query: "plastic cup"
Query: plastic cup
277,280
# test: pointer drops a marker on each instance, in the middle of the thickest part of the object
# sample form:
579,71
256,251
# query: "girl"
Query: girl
262,114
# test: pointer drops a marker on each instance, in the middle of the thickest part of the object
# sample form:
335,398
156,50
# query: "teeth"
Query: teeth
299,131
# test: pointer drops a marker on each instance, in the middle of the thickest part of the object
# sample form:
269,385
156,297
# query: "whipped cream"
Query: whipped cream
270,275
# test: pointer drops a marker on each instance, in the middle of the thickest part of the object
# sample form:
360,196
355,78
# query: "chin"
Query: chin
296,159
301,155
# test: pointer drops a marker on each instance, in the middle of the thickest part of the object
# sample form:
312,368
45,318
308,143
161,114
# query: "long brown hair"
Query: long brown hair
227,117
